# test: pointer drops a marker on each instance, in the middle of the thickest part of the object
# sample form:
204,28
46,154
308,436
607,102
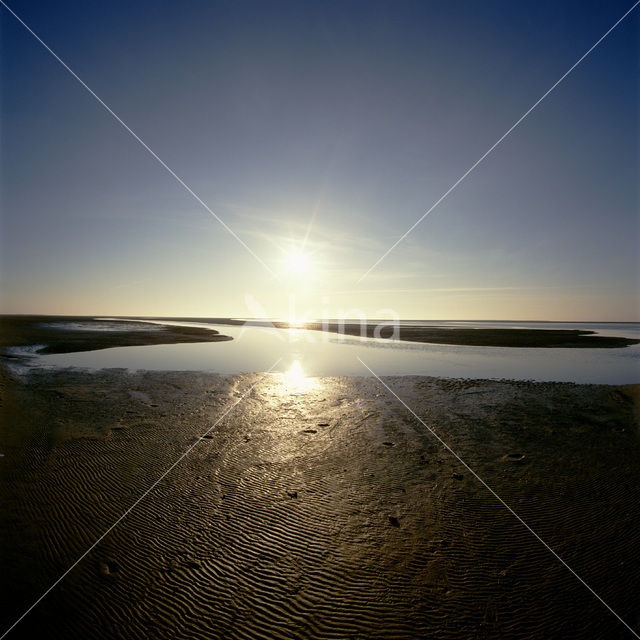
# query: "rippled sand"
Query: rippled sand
318,508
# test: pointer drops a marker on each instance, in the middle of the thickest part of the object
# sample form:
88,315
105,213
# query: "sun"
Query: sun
297,263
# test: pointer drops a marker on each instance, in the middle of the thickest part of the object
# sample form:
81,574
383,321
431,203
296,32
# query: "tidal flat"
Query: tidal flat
316,507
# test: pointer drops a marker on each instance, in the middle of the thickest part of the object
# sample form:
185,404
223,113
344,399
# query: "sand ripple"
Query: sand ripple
323,512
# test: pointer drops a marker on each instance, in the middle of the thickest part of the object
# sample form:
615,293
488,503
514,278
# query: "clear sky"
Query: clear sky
326,128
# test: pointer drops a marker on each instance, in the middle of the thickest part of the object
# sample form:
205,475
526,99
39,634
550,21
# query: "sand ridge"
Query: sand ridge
67,334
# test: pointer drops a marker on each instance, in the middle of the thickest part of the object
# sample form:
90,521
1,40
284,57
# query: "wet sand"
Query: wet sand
470,336
318,508
50,334
481,337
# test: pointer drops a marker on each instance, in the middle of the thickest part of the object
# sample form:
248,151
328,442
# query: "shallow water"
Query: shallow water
303,353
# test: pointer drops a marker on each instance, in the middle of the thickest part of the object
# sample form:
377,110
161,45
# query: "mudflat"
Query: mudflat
68,334
316,508
478,337
49,332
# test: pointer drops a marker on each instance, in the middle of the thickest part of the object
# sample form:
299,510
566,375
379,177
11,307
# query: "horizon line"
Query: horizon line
280,319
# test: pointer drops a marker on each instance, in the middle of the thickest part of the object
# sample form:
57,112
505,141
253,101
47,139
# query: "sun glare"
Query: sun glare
295,374
295,379
297,263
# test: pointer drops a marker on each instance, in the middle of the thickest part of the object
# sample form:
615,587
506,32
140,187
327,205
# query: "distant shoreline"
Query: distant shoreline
41,331
463,336
518,338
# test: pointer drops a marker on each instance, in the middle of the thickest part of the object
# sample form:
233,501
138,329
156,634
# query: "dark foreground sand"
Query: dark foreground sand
317,510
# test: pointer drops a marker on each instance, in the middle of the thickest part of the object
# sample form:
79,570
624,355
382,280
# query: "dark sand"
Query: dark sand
317,511
481,337
18,331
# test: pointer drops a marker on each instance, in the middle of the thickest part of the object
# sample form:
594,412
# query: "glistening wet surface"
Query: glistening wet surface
318,507
255,349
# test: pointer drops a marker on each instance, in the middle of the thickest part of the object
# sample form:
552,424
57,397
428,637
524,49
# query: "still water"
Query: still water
313,353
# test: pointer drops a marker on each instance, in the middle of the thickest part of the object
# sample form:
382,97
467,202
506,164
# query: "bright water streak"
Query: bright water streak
315,353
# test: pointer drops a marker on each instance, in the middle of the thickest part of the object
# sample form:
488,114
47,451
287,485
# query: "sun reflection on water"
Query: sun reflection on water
295,380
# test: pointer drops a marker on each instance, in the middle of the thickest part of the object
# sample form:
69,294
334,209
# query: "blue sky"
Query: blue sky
327,128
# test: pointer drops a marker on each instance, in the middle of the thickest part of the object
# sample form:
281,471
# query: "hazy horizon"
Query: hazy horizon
314,319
